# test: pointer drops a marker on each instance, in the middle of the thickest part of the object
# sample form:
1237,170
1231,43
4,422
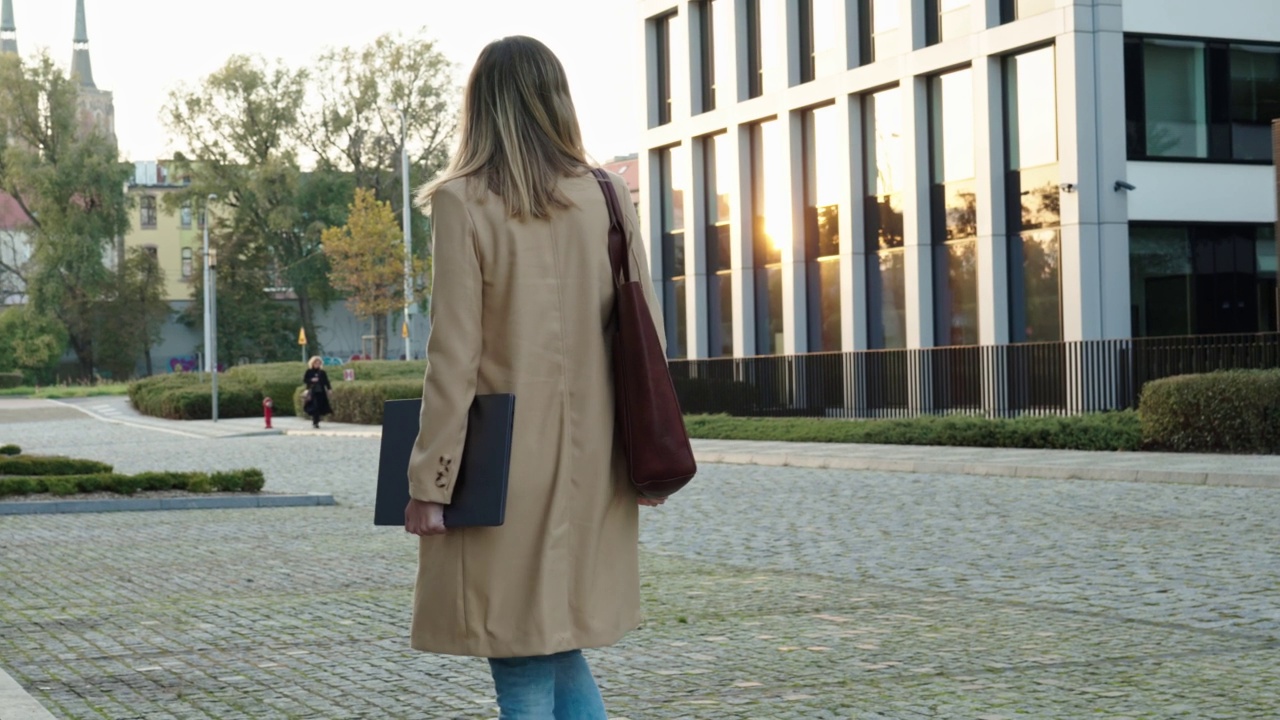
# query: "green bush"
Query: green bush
10,450
250,480
276,380
1235,411
183,396
45,466
10,380
1101,431
382,370
361,401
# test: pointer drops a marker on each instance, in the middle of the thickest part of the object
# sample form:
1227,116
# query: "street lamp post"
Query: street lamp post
210,310
408,231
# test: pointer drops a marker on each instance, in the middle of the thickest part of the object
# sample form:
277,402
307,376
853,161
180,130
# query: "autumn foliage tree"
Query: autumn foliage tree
366,263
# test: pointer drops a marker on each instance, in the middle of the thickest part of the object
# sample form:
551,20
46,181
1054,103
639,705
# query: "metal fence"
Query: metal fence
1062,378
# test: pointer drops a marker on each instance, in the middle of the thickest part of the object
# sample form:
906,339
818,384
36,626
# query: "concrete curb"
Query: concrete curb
334,433
1037,472
16,704
238,502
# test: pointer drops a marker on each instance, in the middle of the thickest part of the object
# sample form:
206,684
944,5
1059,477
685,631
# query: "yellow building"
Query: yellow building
175,237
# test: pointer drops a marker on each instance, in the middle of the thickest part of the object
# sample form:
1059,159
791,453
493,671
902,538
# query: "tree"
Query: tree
132,315
366,257
31,343
241,128
67,181
355,125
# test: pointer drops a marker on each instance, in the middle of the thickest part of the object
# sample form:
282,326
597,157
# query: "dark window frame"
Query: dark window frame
808,61
755,53
662,51
1217,98
707,52
148,212
1009,12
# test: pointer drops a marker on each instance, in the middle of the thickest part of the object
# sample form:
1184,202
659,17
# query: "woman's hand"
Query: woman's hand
650,502
424,518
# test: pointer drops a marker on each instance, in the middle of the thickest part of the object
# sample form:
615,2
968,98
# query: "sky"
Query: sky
142,49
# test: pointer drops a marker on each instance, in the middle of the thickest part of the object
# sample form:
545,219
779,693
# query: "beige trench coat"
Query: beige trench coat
523,307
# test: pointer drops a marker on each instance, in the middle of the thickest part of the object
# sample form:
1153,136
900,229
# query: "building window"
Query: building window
885,167
705,13
819,39
1034,219
880,23
771,225
763,53
947,20
1011,10
674,163
1188,99
147,211
662,67
717,154
187,258
953,208
822,187
185,215
1202,279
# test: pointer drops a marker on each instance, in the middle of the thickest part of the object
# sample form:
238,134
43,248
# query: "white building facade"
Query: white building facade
865,175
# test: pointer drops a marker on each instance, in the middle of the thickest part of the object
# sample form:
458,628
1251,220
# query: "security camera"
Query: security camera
1122,185
1067,187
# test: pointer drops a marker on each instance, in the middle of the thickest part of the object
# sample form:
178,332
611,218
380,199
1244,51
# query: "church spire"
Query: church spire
8,31
81,68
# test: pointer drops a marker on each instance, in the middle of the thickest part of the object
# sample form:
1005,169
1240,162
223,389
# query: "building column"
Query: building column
918,240
853,224
993,244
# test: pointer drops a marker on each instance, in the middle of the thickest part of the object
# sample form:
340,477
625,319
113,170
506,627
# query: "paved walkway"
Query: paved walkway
1261,471
770,592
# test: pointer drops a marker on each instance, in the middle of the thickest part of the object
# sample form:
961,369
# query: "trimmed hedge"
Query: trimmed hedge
1235,411
382,370
49,465
182,396
250,480
10,450
10,380
362,401
275,380
1101,431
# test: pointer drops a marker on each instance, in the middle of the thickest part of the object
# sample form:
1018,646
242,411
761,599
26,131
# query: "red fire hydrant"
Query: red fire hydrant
266,411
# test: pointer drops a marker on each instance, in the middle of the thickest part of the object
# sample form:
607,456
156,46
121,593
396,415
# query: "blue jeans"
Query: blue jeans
558,687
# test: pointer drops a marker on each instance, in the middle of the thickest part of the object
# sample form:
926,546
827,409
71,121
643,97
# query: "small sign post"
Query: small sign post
302,341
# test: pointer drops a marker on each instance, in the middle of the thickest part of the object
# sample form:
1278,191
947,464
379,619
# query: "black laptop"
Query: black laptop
480,493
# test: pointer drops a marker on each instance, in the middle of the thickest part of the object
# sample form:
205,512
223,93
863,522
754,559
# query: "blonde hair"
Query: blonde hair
519,132
315,359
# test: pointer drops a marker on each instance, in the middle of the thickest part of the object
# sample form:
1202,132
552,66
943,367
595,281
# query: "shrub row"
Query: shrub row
10,450
250,480
10,380
48,465
1102,431
184,396
1235,411
362,401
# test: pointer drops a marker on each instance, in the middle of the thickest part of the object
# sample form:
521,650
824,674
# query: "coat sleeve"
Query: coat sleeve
640,268
453,352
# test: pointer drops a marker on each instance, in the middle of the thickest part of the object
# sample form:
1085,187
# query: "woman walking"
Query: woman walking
522,299
316,394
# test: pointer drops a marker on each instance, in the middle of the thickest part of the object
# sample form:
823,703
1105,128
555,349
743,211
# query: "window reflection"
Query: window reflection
819,39
1035,290
673,166
719,178
881,24
883,154
662,63
1017,9
1176,107
771,210
822,168
1255,100
954,209
763,50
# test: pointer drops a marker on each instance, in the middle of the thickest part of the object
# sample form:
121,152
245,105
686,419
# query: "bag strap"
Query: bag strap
617,231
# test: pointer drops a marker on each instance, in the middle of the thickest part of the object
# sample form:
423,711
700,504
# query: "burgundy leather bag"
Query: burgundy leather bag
650,424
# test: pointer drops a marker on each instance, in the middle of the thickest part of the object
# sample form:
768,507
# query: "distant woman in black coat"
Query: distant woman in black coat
317,384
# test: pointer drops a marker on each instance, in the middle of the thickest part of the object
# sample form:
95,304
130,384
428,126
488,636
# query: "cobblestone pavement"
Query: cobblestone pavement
770,593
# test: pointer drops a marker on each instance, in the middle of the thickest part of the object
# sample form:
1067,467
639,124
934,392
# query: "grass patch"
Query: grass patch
1101,431
59,392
